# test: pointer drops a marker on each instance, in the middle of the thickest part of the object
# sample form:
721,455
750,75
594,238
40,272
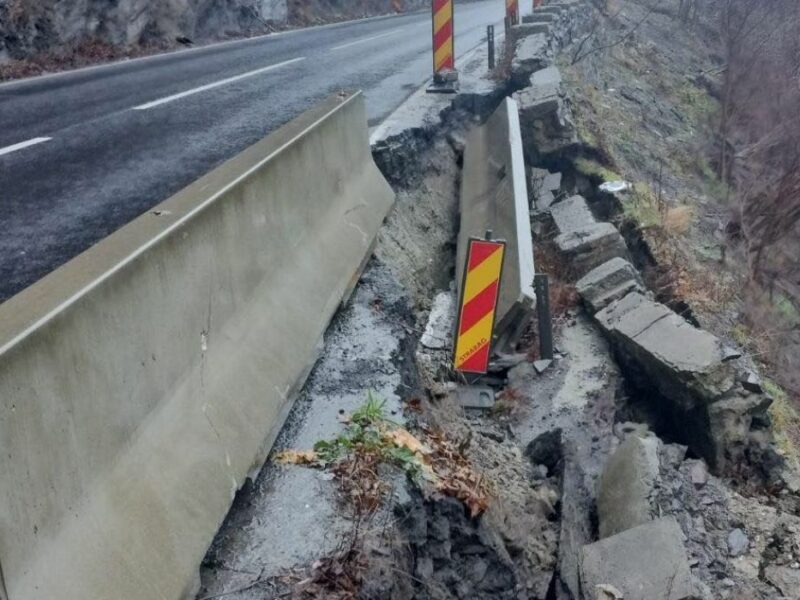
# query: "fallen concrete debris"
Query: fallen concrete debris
611,281
627,492
591,246
545,186
472,396
533,53
647,562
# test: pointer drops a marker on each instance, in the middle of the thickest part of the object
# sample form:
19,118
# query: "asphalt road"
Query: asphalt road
84,152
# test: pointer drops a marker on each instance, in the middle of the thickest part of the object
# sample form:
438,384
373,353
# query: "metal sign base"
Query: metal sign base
444,83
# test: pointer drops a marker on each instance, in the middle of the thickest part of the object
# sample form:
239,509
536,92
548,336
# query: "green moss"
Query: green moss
785,423
641,206
741,335
592,168
787,310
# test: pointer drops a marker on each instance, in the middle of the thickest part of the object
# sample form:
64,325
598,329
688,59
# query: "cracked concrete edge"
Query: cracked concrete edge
138,382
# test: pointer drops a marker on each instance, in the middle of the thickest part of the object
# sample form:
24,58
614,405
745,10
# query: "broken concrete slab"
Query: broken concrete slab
647,562
626,495
532,54
544,187
572,214
591,246
611,281
685,363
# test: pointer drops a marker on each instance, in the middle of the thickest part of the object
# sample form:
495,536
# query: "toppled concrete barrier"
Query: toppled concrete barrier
591,246
144,380
494,197
647,562
626,495
613,280
721,416
547,125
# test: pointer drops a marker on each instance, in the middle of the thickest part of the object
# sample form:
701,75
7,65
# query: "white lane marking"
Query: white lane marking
21,145
216,84
369,39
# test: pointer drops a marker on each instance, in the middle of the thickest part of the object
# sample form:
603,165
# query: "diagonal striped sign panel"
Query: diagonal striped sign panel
478,305
444,58
512,11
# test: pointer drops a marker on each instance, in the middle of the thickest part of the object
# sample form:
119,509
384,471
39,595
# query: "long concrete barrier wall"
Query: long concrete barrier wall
142,382
494,196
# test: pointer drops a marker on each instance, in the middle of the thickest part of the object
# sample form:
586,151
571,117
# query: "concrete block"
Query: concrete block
572,214
532,54
143,381
546,120
525,29
540,17
438,334
626,493
591,246
647,562
611,281
494,196
685,363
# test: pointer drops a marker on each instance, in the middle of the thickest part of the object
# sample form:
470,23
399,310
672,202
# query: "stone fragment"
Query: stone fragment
591,246
545,118
438,333
627,490
542,365
698,474
540,17
611,281
751,382
738,543
607,592
473,396
647,562
786,579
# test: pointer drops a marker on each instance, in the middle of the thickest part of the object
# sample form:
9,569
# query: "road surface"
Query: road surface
84,152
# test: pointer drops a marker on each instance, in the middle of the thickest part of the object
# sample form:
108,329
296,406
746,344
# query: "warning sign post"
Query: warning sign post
477,305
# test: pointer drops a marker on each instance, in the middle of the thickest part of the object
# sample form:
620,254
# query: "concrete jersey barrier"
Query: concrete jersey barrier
494,196
143,381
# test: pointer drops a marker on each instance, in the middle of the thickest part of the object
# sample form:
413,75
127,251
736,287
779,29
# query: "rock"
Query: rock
473,396
698,474
611,281
627,491
542,365
546,450
572,214
438,333
738,543
647,562
592,246
607,592
785,579
751,382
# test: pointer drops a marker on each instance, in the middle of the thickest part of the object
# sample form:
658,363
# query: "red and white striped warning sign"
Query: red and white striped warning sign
478,305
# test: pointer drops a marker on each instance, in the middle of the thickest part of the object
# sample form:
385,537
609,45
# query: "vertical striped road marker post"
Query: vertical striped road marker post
478,305
445,76
512,12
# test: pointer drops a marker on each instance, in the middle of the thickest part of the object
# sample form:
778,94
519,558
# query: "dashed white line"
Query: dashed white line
216,84
369,39
22,145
